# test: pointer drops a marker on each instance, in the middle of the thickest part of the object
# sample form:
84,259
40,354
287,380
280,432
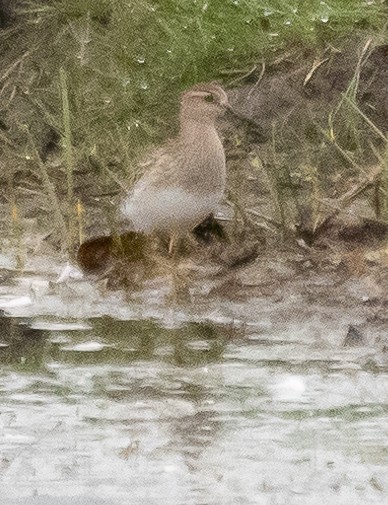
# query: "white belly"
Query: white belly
171,209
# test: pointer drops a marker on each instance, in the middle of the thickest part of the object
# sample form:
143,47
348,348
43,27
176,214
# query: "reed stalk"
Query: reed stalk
69,156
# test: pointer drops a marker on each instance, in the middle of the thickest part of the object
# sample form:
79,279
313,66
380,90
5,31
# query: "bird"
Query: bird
183,181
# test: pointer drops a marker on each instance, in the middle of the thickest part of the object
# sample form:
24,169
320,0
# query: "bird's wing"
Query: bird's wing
160,170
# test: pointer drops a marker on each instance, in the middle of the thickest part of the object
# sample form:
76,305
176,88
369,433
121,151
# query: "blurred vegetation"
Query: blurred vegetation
126,61
96,81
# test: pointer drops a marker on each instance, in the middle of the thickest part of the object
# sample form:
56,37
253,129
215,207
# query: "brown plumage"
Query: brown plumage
185,179
183,183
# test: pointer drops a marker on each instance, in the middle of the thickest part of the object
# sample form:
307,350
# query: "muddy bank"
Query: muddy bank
340,300
302,203
298,140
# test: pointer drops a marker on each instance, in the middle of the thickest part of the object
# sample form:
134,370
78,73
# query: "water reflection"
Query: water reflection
116,343
203,413
22,345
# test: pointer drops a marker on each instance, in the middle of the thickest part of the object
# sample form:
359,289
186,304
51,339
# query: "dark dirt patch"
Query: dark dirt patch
311,141
283,97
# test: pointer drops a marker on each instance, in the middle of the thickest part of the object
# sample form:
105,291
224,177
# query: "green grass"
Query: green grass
104,75
125,61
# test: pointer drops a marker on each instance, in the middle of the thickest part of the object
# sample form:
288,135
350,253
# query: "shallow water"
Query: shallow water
227,404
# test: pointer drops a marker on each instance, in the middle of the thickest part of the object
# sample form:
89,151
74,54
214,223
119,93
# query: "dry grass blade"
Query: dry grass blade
254,87
69,157
244,76
370,123
351,92
67,141
338,209
14,65
117,180
314,68
248,222
338,205
49,189
333,141
350,195
265,218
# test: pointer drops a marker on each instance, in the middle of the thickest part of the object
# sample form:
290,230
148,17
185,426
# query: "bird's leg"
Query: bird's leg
173,254
179,285
173,245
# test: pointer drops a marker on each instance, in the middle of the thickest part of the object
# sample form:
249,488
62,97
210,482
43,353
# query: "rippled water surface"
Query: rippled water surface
225,411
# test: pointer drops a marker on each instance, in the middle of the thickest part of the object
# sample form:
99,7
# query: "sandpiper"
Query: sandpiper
184,181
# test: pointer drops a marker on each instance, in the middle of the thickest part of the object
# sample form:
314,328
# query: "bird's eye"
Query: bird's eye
209,98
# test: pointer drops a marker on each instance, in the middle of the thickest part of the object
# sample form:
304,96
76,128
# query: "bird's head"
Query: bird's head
204,102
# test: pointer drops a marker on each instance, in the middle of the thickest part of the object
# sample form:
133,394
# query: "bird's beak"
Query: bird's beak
224,101
229,108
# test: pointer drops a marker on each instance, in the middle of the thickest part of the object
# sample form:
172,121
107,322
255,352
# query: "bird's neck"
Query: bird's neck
197,129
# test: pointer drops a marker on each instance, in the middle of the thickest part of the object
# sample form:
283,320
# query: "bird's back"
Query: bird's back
185,179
